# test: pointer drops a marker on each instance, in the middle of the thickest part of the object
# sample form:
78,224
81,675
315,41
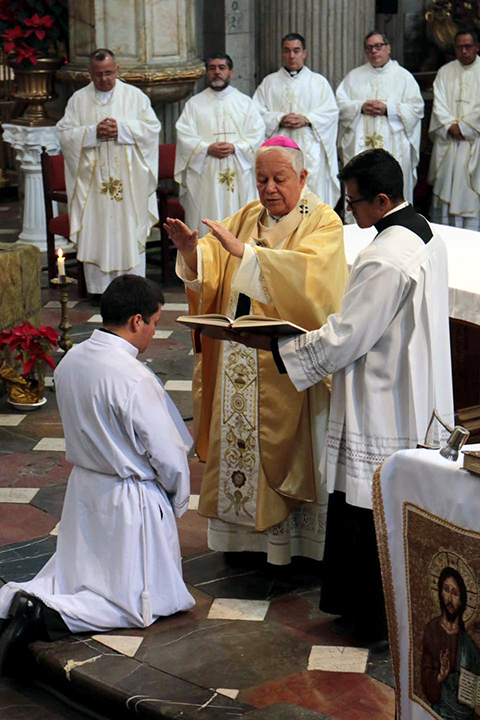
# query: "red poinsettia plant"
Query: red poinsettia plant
28,349
34,28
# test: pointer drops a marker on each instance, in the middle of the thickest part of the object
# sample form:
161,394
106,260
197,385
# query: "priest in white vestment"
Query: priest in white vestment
300,104
218,133
118,561
381,106
281,256
455,132
389,352
109,137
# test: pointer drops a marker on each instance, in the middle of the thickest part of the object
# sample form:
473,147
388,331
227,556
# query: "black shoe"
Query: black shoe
95,299
24,627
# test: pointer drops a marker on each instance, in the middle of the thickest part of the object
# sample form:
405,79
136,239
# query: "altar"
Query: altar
427,522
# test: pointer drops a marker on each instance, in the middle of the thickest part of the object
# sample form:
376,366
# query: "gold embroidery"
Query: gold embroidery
374,141
114,188
227,178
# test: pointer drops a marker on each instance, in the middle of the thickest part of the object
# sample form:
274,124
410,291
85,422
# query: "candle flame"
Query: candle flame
60,253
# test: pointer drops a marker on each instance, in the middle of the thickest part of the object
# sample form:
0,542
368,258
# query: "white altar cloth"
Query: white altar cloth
463,247
427,520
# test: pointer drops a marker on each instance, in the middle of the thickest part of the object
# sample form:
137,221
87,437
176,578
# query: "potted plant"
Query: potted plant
34,37
25,352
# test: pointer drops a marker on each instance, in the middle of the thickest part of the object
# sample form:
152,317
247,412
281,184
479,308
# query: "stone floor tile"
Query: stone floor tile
162,334
55,530
52,444
231,609
21,700
338,659
193,535
95,319
56,303
285,711
193,502
122,682
23,469
50,499
342,696
380,667
178,385
124,644
240,654
22,561
13,440
229,692
20,495
11,420
181,307
251,578
49,381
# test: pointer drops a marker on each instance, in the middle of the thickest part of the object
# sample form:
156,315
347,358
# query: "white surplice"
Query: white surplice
118,560
455,164
110,185
309,94
211,187
389,352
398,131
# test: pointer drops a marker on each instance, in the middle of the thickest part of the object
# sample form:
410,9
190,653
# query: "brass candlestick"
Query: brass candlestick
62,283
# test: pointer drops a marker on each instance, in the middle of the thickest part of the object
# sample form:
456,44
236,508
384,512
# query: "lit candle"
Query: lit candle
61,264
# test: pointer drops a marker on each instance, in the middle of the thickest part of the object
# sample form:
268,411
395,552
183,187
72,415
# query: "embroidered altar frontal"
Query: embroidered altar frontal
428,530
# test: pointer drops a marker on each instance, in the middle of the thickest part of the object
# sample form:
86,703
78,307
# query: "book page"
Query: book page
467,688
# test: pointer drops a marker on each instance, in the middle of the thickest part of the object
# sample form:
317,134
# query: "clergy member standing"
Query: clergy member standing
389,352
300,104
281,256
455,131
118,562
381,107
218,133
109,137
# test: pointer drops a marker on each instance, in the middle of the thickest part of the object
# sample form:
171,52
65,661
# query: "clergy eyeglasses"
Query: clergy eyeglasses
352,202
377,46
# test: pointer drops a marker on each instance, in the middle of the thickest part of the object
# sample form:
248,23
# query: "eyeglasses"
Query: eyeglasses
468,47
351,202
377,46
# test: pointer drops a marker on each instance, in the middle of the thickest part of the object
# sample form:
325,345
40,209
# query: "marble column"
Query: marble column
28,143
333,30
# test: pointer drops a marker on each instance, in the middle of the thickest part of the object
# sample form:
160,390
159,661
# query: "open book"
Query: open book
251,323
468,688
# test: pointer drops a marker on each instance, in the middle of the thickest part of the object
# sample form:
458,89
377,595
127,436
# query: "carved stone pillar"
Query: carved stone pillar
333,30
27,143
153,40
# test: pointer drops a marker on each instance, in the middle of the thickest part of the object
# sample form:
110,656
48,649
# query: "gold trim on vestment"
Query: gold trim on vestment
387,581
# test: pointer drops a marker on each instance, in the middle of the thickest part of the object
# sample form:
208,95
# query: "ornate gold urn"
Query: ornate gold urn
34,85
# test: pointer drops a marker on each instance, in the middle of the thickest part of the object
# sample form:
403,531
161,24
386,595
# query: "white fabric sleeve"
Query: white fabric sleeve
124,135
249,280
91,139
468,132
243,161
190,279
374,293
198,161
156,434
394,119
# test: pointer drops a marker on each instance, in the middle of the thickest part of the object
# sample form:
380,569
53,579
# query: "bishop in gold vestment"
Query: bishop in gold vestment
281,257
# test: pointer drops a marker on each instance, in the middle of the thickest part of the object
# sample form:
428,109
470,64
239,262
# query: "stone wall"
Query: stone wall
20,273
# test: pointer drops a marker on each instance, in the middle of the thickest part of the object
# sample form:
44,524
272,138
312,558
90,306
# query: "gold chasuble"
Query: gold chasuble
252,427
